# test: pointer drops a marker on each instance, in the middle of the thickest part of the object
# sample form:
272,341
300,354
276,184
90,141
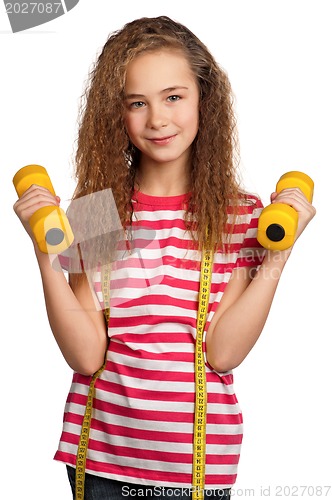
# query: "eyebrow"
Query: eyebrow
169,89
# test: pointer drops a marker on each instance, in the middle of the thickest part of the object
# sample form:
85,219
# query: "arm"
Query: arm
78,327
245,305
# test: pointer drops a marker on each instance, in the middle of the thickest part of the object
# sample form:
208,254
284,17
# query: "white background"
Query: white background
278,57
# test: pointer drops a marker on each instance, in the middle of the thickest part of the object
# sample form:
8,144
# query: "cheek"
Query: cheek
192,121
132,125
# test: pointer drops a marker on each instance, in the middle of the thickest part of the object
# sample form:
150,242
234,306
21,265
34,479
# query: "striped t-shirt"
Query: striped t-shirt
143,410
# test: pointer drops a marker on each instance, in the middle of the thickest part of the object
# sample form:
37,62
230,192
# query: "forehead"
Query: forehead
154,71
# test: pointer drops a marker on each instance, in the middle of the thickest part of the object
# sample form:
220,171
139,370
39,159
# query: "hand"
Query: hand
32,199
296,199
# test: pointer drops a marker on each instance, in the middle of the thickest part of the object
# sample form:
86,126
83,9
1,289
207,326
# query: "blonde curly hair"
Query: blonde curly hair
106,158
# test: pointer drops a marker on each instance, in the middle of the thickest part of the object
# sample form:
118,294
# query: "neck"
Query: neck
163,179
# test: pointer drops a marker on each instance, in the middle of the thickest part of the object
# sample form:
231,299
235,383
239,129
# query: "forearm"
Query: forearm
239,327
80,342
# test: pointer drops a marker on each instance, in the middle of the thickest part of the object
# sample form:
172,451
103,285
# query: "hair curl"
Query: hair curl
105,157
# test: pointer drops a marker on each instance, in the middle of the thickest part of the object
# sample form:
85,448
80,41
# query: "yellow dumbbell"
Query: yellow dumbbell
277,223
50,225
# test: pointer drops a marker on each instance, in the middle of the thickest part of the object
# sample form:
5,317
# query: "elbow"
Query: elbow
88,361
222,362
87,367
87,370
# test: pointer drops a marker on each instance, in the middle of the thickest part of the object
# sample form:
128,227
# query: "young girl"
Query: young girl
158,128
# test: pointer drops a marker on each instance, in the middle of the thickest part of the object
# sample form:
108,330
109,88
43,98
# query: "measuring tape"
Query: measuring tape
198,480
85,431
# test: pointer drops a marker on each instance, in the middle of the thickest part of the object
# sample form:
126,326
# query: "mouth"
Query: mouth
162,141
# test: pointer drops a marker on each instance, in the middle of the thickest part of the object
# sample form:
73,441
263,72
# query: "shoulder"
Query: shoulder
248,202
247,207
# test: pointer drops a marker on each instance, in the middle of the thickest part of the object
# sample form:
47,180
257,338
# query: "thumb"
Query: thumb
273,196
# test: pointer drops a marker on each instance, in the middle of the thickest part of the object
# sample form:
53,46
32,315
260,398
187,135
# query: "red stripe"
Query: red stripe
151,435
68,437
225,479
185,357
159,225
63,456
159,300
151,338
151,320
138,259
147,395
137,283
155,455
140,373
161,416
164,416
167,376
143,454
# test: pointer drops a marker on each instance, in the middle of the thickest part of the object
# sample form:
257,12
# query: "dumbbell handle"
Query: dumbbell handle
50,225
277,223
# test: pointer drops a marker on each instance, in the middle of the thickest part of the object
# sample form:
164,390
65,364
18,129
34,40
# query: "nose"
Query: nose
157,117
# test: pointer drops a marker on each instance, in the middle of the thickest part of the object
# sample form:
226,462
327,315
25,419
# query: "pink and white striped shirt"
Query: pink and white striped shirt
143,411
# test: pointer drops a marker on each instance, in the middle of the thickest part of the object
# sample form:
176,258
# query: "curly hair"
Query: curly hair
106,158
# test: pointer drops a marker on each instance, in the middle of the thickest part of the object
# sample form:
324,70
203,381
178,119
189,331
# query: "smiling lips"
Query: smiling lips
162,141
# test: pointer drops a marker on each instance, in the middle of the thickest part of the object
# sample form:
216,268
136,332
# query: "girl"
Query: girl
158,128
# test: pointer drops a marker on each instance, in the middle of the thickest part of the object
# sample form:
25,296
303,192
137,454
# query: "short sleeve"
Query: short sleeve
71,261
251,252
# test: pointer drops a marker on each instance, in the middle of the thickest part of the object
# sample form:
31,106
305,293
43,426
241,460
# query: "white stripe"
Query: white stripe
164,385
170,311
175,407
162,446
157,328
153,364
216,386
160,215
151,425
145,404
171,215
153,465
161,348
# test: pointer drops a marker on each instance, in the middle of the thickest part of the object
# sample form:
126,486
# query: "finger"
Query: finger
34,190
34,187
291,196
26,207
296,192
34,203
42,195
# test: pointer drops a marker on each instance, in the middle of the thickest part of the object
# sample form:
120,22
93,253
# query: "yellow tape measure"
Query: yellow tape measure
198,480
85,431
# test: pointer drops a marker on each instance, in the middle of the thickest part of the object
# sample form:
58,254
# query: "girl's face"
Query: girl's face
161,107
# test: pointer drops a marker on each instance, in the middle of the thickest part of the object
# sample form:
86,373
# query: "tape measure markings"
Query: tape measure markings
199,448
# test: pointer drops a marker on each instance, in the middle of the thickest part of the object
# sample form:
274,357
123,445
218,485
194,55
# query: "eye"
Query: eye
173,98
137,104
